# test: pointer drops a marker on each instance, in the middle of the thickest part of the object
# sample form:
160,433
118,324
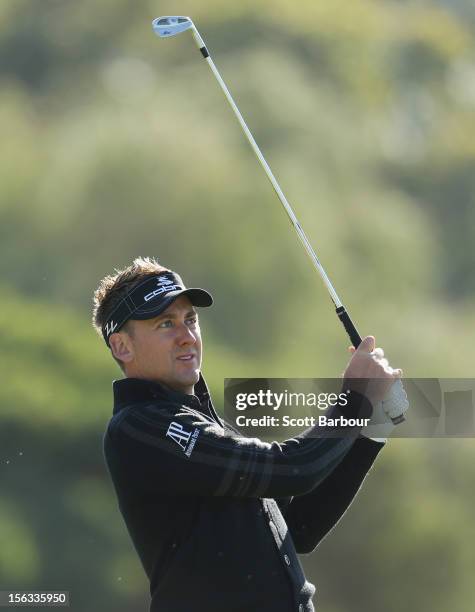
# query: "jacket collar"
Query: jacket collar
129,391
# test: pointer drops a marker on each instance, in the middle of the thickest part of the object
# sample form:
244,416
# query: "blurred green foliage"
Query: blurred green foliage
116,144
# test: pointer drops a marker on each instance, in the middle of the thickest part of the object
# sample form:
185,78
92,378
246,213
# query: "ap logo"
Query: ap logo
185,439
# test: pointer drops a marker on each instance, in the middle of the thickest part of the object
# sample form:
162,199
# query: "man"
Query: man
217,518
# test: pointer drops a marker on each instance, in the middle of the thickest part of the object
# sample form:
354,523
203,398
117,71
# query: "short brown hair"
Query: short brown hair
113,288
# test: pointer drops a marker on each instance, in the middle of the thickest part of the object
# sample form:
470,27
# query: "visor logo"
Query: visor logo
110,326
162,289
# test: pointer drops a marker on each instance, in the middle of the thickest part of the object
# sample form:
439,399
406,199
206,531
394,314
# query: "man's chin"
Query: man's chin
196,376
191,378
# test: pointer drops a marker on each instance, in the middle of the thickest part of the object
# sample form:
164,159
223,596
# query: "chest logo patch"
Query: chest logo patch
185,439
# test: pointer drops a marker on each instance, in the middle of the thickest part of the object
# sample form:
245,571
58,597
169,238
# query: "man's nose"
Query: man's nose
186,336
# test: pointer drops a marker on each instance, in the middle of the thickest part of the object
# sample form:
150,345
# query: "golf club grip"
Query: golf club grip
356,341
349,326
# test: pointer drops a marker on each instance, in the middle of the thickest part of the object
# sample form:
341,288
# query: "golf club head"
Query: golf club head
171,26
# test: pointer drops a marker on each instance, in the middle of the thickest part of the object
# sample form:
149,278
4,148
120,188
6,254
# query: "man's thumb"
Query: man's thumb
367,345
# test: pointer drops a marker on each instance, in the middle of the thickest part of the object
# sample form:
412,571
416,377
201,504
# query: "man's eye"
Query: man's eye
192,320
167,323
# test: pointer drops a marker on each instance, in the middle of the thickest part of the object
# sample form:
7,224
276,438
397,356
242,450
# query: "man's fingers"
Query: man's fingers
367,345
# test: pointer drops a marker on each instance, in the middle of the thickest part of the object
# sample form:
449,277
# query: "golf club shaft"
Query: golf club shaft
173,25
340,309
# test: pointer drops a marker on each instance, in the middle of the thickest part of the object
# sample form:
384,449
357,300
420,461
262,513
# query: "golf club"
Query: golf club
168,26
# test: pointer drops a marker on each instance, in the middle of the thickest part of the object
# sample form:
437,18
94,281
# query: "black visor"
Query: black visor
151,298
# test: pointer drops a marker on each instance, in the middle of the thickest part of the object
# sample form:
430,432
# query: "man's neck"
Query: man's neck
185,390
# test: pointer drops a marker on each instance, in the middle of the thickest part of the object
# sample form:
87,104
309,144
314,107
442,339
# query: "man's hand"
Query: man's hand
394,404
369,373
384,389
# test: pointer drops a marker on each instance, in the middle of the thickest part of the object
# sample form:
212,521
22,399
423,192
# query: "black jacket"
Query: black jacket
216,518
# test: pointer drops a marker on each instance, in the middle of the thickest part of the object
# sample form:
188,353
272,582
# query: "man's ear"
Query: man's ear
122,347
